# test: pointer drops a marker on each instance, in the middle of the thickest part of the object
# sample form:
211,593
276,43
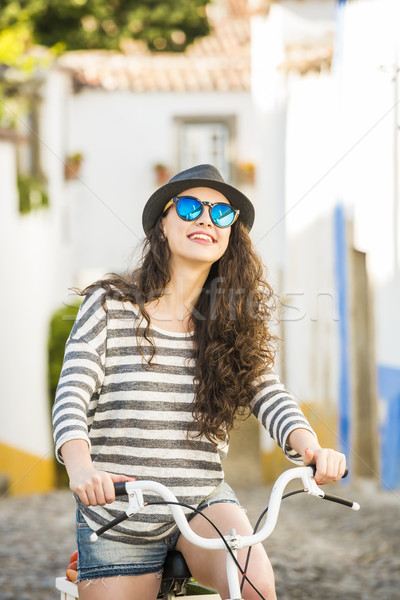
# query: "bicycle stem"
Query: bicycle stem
232,570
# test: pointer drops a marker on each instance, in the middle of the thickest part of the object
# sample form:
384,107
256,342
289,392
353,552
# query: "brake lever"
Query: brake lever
312,488
135,504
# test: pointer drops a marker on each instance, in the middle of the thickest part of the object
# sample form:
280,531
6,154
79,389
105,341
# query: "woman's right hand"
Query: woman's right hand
95,487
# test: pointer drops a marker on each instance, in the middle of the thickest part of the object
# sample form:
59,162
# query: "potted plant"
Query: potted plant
72,166
161,173
246,173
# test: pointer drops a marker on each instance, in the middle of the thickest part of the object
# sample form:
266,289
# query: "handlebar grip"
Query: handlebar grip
314,468
120,489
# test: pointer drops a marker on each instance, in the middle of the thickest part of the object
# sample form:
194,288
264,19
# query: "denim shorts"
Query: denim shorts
107,558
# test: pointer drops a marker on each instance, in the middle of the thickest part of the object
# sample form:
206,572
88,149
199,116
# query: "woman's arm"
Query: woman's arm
80,381
82,373
279,414
330,464
92,486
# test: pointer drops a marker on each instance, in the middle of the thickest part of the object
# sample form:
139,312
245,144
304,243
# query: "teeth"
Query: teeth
201,236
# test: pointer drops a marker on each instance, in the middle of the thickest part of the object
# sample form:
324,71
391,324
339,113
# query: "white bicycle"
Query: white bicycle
176,581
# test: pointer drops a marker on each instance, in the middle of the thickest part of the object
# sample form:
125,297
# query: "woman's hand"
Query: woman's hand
330,464
95,487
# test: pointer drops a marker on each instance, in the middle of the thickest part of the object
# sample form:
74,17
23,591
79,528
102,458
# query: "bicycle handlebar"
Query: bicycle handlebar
134,489
120,489
314,468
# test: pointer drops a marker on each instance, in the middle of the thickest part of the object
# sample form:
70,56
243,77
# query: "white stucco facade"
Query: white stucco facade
297,153
341,140
35,271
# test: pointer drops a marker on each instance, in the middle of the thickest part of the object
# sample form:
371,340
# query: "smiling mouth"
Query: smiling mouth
202,236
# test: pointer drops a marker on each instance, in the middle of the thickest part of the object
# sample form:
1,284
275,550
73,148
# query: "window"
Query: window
206,140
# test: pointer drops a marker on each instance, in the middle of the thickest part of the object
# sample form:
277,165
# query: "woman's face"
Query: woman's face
200,240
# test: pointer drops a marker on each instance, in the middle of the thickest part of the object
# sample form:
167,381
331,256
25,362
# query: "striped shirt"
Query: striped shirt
134,416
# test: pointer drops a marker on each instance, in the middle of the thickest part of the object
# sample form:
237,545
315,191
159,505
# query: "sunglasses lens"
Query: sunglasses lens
188,208
222,215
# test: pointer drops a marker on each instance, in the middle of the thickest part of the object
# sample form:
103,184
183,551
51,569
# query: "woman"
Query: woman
156,369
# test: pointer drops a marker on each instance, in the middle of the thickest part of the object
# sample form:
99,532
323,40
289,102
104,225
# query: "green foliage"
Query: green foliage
13,44
164,25
59,330
17,67
9,105
32,193
12,48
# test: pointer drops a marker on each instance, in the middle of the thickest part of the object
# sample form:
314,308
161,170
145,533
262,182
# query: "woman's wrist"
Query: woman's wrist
76,456
301,439
330,463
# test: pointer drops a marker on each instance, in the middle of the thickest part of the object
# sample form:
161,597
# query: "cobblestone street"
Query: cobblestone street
319,550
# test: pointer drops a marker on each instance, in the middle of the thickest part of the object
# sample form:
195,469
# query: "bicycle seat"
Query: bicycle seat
175,573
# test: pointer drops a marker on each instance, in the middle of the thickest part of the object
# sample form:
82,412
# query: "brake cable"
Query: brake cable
260,518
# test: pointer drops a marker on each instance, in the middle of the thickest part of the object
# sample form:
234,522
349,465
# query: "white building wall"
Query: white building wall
24,249
298,152
341,146
370,136
311,324
368,66
270,107
34,276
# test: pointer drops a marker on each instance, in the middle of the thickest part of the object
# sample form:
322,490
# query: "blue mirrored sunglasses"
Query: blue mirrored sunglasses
190,208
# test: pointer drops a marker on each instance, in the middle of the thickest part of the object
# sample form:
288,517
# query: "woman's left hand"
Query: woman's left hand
330,464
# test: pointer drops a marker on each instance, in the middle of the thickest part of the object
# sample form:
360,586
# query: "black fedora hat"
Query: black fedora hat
198,176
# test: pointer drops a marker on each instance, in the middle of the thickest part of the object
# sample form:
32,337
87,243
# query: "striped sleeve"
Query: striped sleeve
278,412
82,373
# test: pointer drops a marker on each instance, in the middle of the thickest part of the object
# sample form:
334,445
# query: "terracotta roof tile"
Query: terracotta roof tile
220,61
303,59
217,62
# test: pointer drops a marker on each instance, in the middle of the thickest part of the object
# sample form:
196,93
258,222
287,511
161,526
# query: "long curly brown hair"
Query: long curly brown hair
231,323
